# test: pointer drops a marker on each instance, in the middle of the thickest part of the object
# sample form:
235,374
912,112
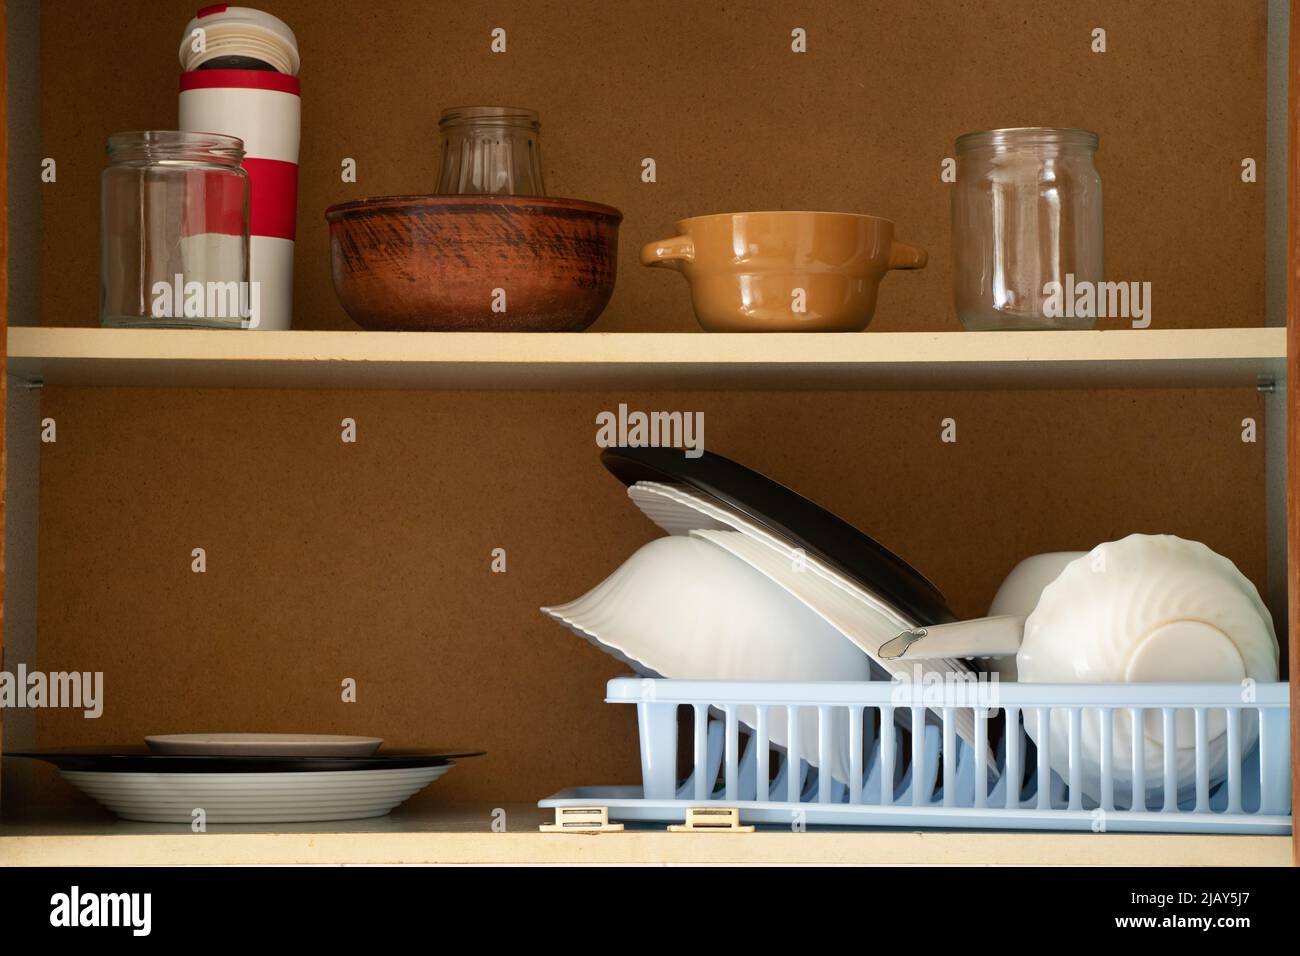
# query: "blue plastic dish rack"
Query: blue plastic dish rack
896,778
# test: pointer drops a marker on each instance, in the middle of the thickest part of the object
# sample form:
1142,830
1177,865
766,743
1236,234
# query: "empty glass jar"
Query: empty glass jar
490,149
174,232
1026,228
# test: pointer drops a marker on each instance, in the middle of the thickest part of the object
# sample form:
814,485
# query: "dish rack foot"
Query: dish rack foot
711,820
581,820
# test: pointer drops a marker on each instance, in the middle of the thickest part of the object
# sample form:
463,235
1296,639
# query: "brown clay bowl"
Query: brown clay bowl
435,263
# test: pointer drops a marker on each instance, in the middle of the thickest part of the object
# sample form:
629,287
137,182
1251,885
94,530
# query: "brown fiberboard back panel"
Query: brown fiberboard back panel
735,121
372,560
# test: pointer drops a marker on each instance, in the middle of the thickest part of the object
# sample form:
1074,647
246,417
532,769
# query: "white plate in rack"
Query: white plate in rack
861,616
263,745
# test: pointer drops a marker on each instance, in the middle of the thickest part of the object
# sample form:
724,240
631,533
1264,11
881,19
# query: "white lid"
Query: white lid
240,31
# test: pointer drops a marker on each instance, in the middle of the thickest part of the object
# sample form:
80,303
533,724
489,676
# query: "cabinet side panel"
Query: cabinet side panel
1293,420
4,306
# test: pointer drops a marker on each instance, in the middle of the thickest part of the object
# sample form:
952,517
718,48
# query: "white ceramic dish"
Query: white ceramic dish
253,797
837,606
684,608
1021,588
1144,609
263,745
681,511
1147,608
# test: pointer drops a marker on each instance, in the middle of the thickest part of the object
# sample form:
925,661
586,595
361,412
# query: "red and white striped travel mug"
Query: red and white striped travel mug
240,78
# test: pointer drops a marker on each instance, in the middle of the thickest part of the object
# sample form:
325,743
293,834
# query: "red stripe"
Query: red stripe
274,197
214,203
239,80
215,8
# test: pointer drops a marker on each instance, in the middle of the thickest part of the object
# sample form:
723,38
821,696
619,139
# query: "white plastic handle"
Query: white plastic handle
981,637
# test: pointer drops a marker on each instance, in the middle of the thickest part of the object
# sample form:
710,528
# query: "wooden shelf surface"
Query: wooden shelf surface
470,360
461,833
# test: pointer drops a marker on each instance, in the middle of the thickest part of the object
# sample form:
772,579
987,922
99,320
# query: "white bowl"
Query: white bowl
1019,593
1147,608
683,608
1022,587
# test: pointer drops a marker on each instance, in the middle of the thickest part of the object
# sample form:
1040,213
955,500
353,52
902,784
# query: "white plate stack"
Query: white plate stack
250,778
302,797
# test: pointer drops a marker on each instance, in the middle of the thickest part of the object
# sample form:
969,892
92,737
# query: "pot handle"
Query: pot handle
981,637
670,253
903,256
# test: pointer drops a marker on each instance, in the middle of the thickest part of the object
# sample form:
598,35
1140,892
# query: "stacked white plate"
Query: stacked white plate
295,797
250,778
845,605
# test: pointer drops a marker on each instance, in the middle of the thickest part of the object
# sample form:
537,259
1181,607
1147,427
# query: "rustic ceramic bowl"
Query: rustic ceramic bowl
473,263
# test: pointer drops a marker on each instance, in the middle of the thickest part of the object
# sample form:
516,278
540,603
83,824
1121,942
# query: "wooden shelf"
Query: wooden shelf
929,360
461,833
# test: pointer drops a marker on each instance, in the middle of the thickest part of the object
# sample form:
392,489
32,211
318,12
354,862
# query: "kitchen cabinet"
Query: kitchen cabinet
371,559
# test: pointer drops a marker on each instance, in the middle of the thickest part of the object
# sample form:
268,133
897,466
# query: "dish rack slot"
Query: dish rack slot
889,754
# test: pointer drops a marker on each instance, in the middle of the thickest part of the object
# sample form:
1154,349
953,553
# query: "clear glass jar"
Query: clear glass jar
490,149
1026,212
174,232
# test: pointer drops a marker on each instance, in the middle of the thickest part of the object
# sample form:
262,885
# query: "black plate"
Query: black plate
792,517
133,760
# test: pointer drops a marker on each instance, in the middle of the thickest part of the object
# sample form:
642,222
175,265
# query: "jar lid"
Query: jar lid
240,31
1029,136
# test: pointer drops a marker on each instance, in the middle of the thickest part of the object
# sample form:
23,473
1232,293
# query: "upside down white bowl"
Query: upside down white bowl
684,608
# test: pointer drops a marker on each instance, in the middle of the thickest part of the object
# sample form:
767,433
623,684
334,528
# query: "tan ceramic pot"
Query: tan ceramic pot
784,271
473,263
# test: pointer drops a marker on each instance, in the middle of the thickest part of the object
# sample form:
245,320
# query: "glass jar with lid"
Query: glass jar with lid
1026,227
490,149
174,232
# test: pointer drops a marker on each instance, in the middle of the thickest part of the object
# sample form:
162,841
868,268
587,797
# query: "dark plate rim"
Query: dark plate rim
779,509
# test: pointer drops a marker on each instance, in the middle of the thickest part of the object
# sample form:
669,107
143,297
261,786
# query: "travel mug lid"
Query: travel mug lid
240,31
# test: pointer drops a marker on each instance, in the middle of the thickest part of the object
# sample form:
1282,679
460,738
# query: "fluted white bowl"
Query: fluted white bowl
1147,608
